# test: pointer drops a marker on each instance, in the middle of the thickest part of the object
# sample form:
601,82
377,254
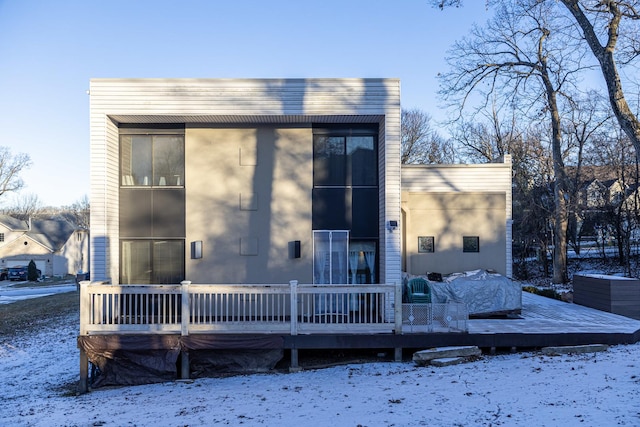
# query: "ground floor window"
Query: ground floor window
337,259
362,262
152,261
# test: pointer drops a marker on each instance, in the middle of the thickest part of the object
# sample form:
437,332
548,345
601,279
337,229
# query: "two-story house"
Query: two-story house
57,247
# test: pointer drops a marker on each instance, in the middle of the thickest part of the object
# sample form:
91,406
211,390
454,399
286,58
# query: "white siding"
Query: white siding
227,97
493,177
392,268
115,101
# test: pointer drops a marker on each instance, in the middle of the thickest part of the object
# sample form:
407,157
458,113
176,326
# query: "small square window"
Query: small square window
470,244
426,244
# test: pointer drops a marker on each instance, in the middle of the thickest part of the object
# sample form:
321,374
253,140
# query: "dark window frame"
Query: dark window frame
370,279
345,132
154,273
470,244
426,244
155,176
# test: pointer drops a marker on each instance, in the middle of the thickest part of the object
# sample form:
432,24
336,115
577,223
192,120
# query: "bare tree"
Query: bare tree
490,137
421,144
78,212
532,197
617,213
10,167
617,23
611,30
587,117
522,56
25,207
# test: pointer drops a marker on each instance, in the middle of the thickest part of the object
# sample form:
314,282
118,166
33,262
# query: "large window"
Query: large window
344,161
152,262
152,205
152,160
345,181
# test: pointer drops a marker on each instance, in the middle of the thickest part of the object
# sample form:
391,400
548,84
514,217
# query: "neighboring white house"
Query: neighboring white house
57,247
597,194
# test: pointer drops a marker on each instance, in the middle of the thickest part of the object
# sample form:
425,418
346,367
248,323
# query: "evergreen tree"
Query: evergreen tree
32,272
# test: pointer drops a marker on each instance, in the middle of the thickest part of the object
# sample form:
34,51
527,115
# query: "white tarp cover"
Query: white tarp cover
484,293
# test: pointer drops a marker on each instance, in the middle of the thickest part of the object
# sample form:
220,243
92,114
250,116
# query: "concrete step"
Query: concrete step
575,349
448,361
424,357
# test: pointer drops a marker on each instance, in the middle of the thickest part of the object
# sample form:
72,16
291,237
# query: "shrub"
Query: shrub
32,272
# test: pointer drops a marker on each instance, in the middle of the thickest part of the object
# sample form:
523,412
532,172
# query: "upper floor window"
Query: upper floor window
152,160
1,237
345,160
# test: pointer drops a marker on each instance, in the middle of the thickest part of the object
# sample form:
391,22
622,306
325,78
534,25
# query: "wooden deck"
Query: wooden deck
543,322
542,315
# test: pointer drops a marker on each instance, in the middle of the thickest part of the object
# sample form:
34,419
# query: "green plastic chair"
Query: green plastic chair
418,291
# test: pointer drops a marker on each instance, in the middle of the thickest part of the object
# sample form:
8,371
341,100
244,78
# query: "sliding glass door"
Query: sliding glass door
330,257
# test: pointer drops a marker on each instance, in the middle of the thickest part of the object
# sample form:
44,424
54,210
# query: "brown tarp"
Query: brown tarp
131,360
144,359
225,354
231,342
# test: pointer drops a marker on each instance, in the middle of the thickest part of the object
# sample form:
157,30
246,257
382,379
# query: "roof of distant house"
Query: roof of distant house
51,233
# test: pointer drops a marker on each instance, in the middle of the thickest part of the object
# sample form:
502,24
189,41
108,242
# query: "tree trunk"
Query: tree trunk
560,234
605,56
561,214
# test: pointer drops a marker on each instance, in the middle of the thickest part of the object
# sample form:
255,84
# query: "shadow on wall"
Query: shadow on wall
446,219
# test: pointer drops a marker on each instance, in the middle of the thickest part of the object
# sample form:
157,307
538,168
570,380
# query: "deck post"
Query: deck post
397,305
83,384
184,327
295,367
85,306
184,291
184,365
294,323
294,307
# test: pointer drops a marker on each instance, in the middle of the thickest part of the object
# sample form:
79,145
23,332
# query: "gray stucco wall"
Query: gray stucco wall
249,195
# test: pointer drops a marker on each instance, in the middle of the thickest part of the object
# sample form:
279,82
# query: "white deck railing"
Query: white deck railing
292,308
279,308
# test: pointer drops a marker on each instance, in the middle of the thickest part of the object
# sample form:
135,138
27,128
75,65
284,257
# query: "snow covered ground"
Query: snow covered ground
9,293
39,371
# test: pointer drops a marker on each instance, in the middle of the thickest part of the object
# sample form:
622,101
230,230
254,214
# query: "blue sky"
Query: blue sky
49,50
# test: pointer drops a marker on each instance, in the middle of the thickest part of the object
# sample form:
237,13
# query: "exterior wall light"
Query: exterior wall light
196,249
294,249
